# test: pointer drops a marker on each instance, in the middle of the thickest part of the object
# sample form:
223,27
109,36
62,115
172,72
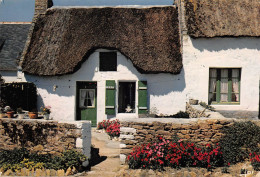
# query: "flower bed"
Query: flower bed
112,128
163,153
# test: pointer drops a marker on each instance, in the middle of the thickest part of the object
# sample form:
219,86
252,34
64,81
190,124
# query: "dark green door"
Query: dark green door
87,101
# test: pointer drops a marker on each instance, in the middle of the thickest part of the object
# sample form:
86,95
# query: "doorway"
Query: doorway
86,102
126,97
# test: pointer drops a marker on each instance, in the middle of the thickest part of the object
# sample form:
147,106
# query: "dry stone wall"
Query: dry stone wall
44,137
201,131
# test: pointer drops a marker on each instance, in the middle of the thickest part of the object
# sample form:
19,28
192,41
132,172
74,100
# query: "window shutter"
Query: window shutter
142,97
110,97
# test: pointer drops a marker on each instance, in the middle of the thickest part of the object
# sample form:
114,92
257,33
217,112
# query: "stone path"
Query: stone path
108,148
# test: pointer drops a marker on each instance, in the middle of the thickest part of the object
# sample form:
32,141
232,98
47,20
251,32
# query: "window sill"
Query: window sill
225,103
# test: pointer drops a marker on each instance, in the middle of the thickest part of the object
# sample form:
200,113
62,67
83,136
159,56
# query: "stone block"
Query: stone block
122,145
8,173
162,132
68,172
217,126
38,172
125,151
60,173
138,127
127,130
48,172
122,158
142,132
53,172
128,137
176,126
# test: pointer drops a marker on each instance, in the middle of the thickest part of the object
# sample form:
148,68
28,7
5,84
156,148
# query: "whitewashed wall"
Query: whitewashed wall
201,54
9,76
165,91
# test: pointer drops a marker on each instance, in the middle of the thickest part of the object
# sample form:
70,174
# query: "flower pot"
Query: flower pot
10,114
33,115
46,116
2,115
20,116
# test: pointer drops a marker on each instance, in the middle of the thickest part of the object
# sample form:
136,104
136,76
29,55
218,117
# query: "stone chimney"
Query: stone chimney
41,6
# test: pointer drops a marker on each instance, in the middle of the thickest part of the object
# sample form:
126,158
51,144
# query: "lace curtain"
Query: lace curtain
91,98
83,94
212,84
235,85
224,85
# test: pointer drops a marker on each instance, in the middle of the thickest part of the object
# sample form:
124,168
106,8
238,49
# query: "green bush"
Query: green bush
239,141
20,158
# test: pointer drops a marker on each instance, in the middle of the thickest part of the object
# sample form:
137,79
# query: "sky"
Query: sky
22,10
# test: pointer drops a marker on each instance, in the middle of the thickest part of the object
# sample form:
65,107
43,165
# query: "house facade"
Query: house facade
221,54
100,63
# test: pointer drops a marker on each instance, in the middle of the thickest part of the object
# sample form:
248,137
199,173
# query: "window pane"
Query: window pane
213,73
235,85
224,85
91,96
235,97
223,97
235,73
212,97
82,98
107,61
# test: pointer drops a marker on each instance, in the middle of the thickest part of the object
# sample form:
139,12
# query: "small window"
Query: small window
107,61
224,85
87,98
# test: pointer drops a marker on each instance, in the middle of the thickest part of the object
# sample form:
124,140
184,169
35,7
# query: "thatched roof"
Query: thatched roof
63,38
212,18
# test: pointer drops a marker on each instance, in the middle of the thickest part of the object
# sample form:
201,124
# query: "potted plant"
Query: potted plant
9,112
33,114
46,112
20,113
2,113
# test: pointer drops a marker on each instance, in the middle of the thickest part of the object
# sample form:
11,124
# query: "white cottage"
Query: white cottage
221,53
101,63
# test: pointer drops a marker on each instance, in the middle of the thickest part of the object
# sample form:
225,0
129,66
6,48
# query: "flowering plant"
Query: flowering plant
255,161
111,127
46,110
162,152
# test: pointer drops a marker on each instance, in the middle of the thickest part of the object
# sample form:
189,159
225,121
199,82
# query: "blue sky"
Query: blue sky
22,10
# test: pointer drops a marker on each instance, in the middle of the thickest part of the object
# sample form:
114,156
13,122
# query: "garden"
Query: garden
240,144
14,161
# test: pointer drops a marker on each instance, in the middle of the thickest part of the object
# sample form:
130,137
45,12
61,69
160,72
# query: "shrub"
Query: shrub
112,127
23,158
113,130
104,124
181,114
239,140
161,153
255,161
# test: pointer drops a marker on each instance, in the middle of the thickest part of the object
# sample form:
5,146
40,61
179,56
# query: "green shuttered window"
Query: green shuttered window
110,97
224,85
142,97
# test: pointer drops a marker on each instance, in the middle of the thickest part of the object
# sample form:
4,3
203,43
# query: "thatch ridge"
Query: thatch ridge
63,38
222,18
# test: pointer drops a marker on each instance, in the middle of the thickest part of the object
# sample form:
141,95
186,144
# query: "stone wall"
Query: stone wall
44,137
201,131
196,111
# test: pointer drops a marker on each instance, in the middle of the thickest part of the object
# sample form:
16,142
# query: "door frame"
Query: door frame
136,97
77,116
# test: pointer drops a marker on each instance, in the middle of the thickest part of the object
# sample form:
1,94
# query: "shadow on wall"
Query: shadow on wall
218,44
